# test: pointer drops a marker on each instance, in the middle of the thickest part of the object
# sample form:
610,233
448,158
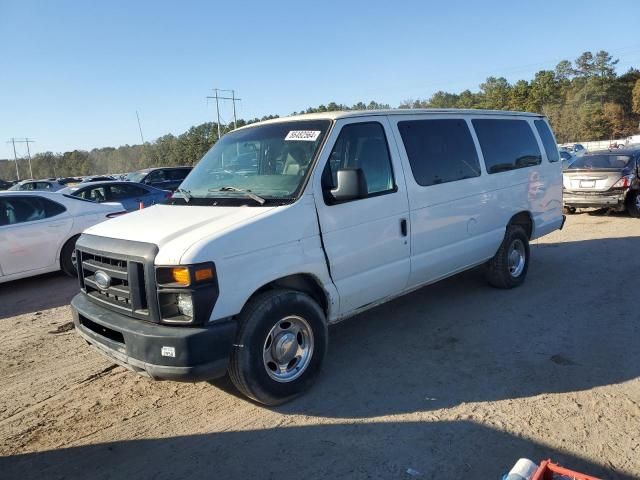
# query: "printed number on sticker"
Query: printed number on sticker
303,135
168,352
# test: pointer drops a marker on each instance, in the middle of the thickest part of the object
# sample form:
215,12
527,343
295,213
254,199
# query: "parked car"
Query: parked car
44,185
604,179
567,158
4,185
97,178
38,231
130,195
576,149
243,272
164,178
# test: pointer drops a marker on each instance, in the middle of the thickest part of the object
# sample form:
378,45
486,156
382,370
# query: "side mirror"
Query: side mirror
351,184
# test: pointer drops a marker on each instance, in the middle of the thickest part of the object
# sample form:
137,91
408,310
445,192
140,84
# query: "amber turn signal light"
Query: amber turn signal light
180,276
203,274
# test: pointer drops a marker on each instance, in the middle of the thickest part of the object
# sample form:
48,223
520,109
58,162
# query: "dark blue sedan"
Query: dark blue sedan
130,195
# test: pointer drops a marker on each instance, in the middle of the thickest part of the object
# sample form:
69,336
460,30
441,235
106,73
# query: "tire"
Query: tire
633,204
67,257
505,270
569,210
270,326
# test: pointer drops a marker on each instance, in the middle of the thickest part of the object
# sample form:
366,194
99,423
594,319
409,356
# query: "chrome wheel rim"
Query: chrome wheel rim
517,258
288,349
638,201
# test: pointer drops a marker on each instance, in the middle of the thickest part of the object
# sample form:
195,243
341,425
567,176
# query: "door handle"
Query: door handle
403,227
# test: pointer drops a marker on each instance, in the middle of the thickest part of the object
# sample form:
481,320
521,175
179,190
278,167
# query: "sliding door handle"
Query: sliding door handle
403,227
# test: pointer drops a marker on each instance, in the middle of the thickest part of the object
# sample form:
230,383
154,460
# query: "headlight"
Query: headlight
185,304
186,293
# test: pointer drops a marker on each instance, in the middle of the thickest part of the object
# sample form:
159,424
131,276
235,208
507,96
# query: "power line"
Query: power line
27,141
217,98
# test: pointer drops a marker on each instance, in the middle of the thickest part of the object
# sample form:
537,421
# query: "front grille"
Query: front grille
126,291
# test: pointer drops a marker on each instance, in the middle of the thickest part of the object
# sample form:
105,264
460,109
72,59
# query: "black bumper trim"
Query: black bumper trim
201,353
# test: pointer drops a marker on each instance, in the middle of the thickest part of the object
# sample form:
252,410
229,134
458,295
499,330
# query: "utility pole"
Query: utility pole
233,98
15,157
140,127
27,141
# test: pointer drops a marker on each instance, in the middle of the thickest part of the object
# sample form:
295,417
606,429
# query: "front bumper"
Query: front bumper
594,200
199,353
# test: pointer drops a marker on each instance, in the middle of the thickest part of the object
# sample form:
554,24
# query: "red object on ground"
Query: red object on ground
547,469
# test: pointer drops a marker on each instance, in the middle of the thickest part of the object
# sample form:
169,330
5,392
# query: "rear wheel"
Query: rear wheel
570,210
508,268
68,257
633,204
282,339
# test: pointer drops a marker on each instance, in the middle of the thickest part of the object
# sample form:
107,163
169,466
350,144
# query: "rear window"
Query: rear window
601,161
506,144
549,143
439,151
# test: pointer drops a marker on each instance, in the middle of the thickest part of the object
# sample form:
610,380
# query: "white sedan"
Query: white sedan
38,231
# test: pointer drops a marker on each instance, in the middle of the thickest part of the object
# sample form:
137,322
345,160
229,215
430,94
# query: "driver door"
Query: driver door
366,239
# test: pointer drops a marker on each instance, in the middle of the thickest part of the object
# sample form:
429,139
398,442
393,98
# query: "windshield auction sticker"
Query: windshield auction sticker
303,135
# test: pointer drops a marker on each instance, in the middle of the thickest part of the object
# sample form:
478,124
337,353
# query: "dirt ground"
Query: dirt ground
456,380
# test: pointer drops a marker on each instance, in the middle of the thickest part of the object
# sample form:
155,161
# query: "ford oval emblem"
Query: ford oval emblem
103,280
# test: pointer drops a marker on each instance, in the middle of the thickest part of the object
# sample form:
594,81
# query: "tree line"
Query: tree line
584,100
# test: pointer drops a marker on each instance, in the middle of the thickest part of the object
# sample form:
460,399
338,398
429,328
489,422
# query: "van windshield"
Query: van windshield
270,161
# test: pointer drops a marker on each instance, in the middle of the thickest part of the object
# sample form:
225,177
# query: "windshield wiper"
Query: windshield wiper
185,193
248,193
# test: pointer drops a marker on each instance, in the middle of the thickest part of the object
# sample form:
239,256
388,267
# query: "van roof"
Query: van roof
398,111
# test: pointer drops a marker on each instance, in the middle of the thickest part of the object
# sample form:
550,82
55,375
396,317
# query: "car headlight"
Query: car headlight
186,293
185,304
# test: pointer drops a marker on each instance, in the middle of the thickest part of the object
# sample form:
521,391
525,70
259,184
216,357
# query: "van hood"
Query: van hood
161,224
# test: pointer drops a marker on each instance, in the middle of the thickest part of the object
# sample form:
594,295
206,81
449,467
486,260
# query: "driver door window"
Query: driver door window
155,177
362,146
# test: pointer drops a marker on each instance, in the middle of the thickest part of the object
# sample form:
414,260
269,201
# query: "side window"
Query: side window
439,151
364,146
177,174
506,144
155,176
52,208
95,194
16,210
122,192
549,143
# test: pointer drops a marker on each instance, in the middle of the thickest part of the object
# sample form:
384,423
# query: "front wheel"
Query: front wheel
508,268
68,263
633,204
281,342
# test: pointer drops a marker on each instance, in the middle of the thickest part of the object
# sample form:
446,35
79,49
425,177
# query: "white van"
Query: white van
289,225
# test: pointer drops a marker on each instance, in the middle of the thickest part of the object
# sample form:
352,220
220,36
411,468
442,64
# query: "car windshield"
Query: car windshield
590,162
270,161
136,176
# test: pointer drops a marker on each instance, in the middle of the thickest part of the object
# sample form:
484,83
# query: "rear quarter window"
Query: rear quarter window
506,144
439,151
548,142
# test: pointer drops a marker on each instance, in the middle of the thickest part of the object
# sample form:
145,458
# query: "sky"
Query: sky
74,73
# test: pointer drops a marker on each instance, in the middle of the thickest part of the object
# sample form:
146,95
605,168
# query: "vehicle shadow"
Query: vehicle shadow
36,293
443,450
570,327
